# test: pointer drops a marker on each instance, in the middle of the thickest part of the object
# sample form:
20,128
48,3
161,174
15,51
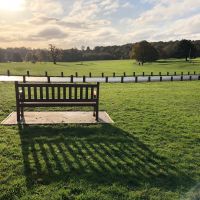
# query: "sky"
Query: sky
76,23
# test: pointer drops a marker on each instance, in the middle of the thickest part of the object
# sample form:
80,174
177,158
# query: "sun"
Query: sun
11,5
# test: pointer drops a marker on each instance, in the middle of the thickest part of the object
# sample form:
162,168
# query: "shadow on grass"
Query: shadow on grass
99,154
167,62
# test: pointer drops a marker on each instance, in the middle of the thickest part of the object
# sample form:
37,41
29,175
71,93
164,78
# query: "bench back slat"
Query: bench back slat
59,97
86,93
64,92
92,92
35,93
49,92
29,92
41,92
53,92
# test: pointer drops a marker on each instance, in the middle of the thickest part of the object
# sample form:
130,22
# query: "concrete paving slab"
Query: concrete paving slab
68,117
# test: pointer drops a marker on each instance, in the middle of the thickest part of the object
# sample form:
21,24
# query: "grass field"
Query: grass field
97,67
151,152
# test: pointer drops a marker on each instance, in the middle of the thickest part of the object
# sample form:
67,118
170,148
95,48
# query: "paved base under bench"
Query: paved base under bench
67,117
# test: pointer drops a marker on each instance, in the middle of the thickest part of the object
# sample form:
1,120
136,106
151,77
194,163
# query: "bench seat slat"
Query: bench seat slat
57,100
53,104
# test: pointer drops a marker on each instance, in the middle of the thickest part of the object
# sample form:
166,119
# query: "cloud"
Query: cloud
72,23
50,33
51,7
167,20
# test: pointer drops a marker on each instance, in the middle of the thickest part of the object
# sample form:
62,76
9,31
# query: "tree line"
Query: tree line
142,51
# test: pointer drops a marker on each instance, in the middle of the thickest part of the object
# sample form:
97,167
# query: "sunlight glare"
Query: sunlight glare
11,5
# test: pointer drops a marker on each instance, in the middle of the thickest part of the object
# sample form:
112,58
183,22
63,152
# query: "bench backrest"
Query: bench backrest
56,92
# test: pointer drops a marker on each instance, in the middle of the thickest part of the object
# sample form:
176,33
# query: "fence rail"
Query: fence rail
46,74
105,79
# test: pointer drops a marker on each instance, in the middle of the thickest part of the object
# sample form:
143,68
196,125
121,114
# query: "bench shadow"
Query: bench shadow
100,154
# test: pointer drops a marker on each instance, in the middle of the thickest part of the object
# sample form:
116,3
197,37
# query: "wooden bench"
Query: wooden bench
55,95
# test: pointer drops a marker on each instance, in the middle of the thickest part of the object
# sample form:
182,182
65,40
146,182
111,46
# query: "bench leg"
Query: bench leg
94,112
97,113
22,113
18,115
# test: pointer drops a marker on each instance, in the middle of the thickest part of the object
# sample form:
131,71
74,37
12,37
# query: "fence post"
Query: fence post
90,74
76,74
133,73
199,77
167,73
24,79
8,72
102,74
174,73
124,73
151,73
106,79
62,74
113,74
149,79
160,74
136,79
181,77
188,73
190,78
122,79
72,79
172,78
83,79
28,74
46,74
48,79
194,73
181,73
142,73
160,78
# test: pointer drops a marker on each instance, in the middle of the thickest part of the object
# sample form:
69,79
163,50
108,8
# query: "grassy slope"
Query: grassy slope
151,152
97,67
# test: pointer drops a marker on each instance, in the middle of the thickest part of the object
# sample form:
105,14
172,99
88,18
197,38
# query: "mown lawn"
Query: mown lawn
152,151
97,67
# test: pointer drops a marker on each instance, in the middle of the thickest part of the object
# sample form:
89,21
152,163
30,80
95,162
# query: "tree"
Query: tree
2,55
28,56
55,53
16,57
42,55
186,49
82,53
144,52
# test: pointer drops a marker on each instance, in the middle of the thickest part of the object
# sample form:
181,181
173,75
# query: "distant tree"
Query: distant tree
16,57
34,58
88,49
28,56
55,53
82,53
42,55
2,55
186,49
144,52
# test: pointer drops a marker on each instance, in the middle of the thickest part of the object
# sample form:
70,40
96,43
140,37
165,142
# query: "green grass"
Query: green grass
97,67
152,150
